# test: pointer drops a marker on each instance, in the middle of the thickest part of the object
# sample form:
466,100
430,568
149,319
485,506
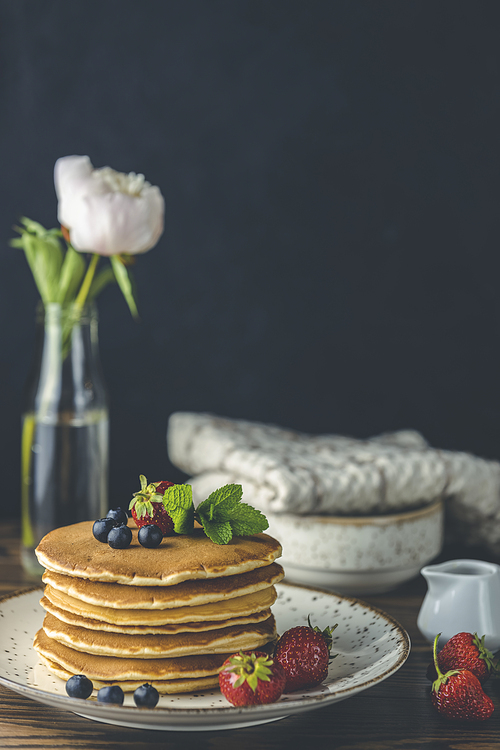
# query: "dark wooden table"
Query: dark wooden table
395,715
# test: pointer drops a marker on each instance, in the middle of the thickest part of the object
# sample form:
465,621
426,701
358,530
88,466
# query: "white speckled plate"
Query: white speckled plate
370,645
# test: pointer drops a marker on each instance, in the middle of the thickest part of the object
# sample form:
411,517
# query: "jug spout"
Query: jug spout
437,580
462,596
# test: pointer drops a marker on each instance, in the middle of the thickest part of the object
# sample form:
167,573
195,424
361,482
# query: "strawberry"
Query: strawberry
147,506
250,678
465,651
458,694
304,654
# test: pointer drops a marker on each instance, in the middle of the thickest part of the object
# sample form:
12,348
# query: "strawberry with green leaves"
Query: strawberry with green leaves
304,654
147,506
465,651
458,694
251,678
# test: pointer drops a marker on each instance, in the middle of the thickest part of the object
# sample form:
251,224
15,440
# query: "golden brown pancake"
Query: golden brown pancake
167,687
158,621
221,640
185,594
115,669
74,551
183,627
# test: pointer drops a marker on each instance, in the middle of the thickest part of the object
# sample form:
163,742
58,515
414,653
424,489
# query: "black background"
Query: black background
331,174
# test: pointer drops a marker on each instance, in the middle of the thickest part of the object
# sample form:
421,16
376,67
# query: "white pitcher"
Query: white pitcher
462,596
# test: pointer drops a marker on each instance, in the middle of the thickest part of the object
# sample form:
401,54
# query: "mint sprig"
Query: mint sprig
222,515
178,502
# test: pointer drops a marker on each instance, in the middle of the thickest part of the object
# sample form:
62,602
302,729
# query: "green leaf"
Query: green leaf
220,504
46,265
29,247
178,502
246,520
50,259
72,273
33,227
43,252
124,281
219,533
223,515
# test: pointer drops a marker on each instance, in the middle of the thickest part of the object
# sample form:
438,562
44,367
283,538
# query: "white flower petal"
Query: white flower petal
107,212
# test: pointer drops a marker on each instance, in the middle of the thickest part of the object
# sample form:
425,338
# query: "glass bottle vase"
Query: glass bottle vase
65,429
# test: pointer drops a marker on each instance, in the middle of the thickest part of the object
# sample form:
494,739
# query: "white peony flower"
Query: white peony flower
107,212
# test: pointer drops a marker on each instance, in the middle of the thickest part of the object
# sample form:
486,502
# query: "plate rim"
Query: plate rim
227,714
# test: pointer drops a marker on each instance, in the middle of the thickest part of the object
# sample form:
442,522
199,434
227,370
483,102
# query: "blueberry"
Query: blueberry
146,696
118,515
101,529
110,694
79,686
150,535
119,537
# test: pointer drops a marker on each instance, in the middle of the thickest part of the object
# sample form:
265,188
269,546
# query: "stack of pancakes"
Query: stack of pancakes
169,616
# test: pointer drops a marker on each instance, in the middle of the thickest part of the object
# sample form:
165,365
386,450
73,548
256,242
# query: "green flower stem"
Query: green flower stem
78,304
87,281
28,432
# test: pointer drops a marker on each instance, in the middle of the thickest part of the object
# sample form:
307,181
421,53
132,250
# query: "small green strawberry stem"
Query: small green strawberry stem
326,633
434,656
441,678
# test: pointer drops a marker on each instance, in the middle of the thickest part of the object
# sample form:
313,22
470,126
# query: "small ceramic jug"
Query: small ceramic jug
462,596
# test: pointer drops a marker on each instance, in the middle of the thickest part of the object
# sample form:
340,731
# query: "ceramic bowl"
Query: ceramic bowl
358,555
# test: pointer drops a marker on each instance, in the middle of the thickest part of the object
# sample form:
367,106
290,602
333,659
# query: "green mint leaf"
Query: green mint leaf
228,496
219,533
178,502
246,520
223,515
219,505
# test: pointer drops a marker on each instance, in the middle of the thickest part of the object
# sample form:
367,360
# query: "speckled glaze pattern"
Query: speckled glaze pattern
370,645
337,551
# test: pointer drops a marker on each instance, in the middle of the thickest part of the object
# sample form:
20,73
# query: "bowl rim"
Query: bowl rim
384,519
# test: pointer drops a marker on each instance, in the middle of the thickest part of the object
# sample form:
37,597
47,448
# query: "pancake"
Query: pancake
167,687
115,669
73,550
251,608
182,627
185,594
218,641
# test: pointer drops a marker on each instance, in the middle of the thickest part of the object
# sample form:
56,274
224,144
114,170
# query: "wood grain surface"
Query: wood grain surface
395,715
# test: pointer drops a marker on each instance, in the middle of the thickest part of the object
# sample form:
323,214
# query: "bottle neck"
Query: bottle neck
67,376
67,318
